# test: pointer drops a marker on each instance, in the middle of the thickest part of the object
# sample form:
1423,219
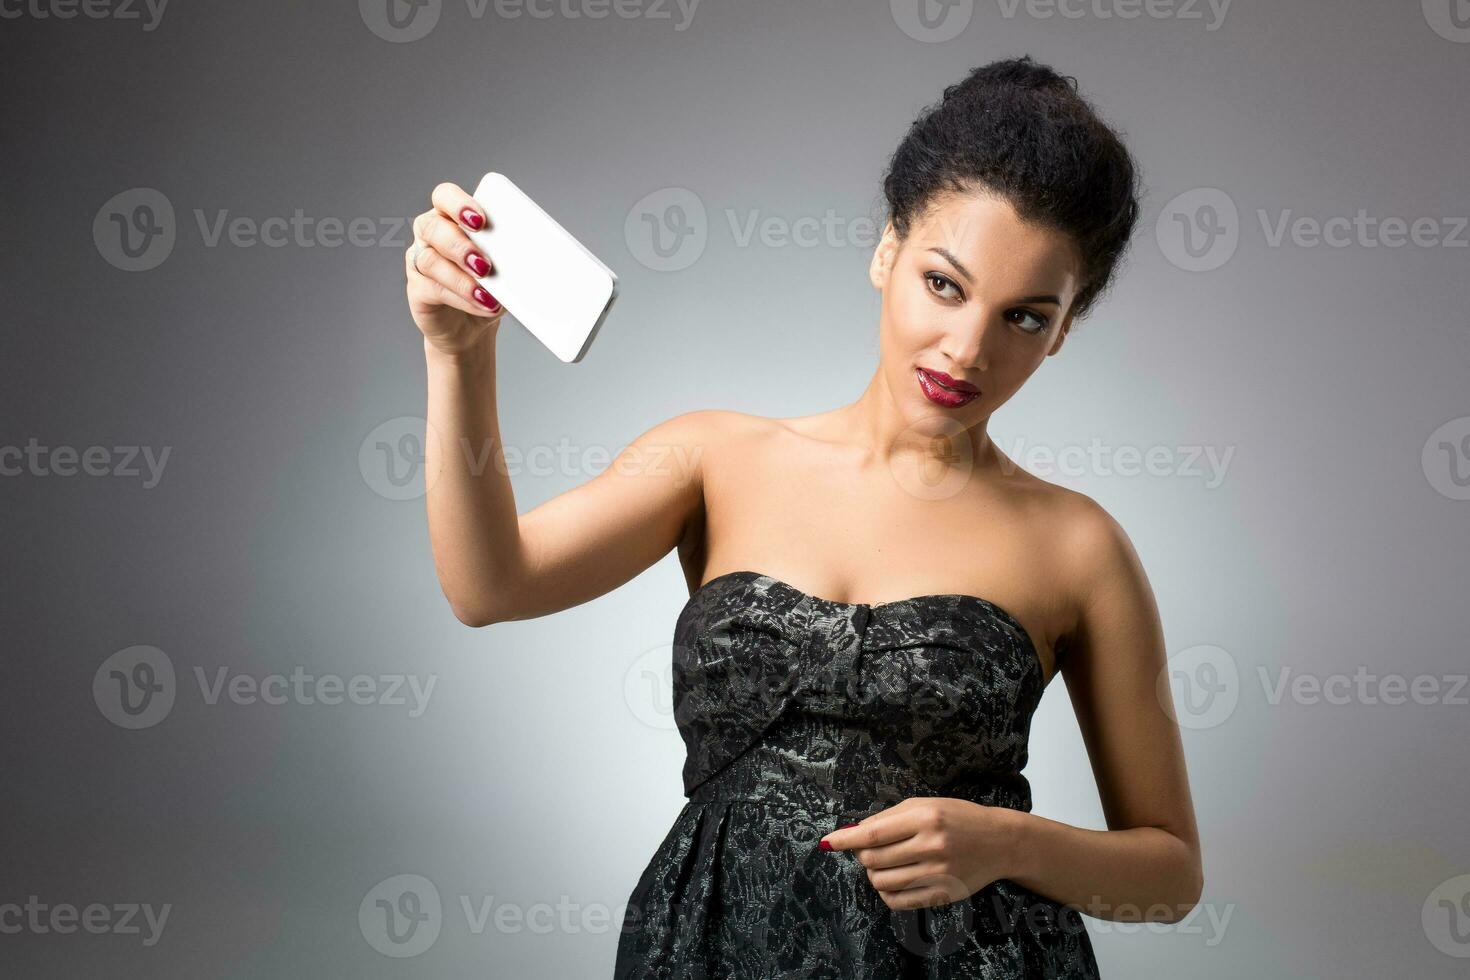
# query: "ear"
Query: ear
883,256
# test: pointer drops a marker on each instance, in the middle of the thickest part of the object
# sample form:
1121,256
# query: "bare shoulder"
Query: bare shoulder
1105,587
1089,546
709,427
717,427
1093,543
696,439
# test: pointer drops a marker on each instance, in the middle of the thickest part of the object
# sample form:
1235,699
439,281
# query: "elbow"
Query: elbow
1191,890
473,614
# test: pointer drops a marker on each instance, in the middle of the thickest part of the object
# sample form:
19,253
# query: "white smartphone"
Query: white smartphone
550,282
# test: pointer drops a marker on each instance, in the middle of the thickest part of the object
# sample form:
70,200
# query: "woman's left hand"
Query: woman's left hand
932,850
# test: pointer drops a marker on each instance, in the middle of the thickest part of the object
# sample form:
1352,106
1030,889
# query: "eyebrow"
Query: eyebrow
949,257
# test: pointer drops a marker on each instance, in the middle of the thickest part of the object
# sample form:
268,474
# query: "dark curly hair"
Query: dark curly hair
1018,129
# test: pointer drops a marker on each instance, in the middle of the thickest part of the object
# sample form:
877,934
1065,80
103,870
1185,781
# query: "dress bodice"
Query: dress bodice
927,696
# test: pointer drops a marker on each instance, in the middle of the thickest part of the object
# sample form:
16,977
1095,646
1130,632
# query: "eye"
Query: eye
1041,321
933,277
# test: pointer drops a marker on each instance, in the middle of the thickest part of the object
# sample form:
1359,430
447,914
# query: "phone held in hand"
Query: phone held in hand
550,282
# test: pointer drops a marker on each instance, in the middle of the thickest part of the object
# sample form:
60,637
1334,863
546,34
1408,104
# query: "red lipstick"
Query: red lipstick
941,389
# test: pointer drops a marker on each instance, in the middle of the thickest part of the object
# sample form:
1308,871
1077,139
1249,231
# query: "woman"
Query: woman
878,595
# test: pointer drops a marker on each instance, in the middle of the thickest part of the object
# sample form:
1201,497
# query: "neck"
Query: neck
937,439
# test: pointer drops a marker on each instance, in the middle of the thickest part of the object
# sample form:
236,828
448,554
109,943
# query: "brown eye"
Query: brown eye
933,277
1041,321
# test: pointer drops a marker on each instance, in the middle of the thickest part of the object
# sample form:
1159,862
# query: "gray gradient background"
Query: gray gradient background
544,770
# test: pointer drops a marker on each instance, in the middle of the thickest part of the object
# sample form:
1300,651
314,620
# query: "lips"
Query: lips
951,383
941,389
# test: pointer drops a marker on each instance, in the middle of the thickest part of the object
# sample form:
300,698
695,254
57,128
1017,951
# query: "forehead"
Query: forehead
988,237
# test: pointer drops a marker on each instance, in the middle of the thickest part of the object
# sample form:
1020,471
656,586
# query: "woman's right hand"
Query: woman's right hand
453,311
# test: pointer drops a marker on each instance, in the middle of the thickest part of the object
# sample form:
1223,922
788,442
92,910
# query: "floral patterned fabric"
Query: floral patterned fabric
801,714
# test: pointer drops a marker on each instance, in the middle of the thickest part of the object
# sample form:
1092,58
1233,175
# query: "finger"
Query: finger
434,278
916,898
450,241
874,831
907,851
456,204
920,874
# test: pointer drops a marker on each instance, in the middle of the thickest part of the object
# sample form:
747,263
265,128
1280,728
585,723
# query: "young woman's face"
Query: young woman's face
975,293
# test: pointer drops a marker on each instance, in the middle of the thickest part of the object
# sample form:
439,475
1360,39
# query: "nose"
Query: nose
965,346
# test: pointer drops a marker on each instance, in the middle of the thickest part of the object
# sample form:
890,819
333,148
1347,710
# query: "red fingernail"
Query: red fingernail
471,218
477,263
486,300
824,845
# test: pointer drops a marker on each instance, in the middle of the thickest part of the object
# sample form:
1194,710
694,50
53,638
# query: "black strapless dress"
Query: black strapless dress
801,714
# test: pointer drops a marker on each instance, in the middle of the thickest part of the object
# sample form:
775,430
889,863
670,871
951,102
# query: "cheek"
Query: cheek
912,319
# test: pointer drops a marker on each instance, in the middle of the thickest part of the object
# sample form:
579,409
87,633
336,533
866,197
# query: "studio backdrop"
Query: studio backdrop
244,736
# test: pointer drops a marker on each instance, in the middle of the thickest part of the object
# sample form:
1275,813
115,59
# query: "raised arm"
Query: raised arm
493,564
